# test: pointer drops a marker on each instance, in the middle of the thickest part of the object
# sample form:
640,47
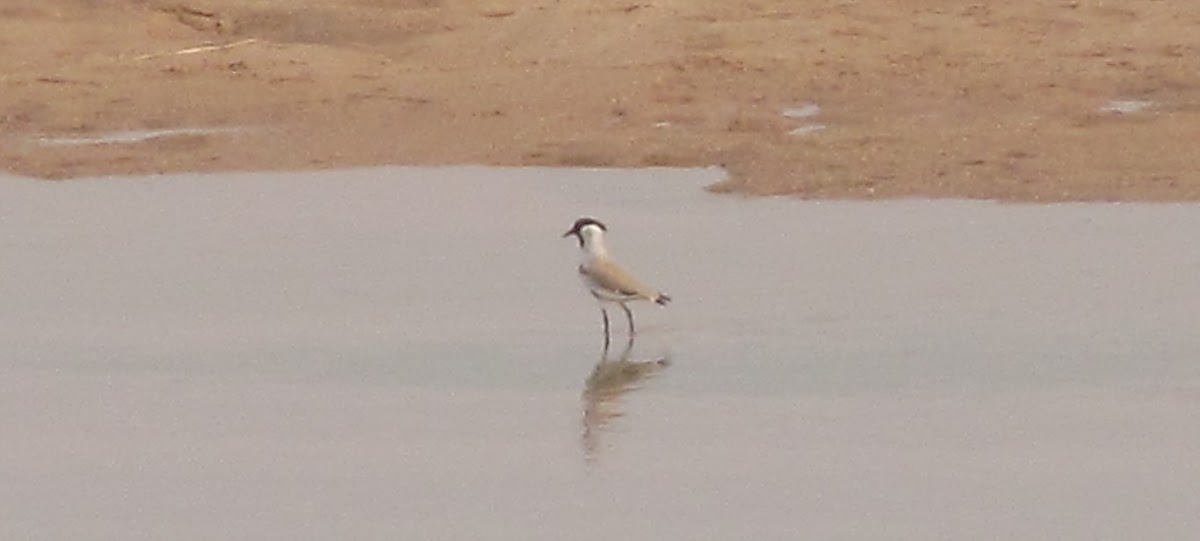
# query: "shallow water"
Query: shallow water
402,353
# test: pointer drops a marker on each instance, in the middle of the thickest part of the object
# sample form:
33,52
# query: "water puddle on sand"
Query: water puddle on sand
1126,106
806,111
405,352
132,136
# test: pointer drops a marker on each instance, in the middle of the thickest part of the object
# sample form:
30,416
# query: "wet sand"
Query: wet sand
356,354
1022,101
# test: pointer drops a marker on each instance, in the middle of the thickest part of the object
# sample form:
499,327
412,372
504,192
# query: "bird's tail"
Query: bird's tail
662,299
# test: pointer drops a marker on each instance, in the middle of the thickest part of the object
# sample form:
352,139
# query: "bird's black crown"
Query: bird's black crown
583,222
580,224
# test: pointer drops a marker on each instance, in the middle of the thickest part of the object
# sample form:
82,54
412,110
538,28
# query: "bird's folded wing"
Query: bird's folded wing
608,275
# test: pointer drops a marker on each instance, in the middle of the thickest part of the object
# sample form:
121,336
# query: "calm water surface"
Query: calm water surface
404,353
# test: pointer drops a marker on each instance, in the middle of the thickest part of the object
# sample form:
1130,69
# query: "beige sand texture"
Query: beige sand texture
926,98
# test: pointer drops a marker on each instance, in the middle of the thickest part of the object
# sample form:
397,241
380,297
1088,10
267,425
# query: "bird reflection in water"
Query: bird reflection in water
611,379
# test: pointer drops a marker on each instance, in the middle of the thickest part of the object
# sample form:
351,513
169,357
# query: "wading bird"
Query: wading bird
603,278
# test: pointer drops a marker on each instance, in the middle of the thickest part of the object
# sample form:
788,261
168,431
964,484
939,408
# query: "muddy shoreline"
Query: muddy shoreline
1024,101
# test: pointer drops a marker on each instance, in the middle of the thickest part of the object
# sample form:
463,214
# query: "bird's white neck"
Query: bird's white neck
593,241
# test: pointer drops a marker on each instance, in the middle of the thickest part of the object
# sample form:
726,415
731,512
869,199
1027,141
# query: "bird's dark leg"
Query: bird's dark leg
628,348
629,316
604,314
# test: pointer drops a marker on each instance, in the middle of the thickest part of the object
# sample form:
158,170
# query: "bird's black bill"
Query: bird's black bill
574,233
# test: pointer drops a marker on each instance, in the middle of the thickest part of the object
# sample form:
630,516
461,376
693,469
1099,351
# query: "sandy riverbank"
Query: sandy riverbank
929,98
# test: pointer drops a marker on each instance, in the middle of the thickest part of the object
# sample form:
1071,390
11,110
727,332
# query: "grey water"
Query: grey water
405,353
